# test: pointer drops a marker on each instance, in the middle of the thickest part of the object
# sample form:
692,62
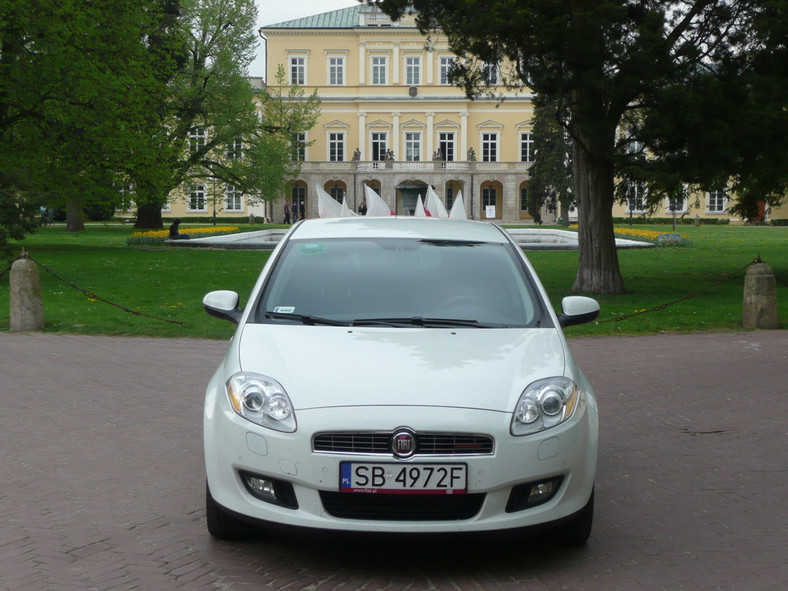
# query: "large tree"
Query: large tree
70,79
205,125
600,60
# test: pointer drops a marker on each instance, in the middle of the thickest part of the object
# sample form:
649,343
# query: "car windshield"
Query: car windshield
399,282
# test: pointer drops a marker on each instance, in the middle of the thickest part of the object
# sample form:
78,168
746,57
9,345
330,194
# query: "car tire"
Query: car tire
577,530
222,524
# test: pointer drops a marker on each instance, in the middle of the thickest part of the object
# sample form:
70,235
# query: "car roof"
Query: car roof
398,227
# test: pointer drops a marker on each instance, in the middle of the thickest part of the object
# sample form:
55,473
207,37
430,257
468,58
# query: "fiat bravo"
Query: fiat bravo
399,375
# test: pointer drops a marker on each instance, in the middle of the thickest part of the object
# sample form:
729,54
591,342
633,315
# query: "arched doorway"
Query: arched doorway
523,194
492,200
408,193
337,190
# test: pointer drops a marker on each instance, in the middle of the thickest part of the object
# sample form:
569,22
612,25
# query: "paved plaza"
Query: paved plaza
103,478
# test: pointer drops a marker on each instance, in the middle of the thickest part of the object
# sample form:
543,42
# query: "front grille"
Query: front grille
386,507
427,444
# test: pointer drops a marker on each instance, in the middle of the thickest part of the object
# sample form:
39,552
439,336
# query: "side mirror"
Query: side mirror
222,304
578,310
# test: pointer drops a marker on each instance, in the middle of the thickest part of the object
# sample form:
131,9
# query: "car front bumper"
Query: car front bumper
234,446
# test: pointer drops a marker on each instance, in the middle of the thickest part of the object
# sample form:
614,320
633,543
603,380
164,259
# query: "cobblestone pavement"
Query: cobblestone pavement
103,481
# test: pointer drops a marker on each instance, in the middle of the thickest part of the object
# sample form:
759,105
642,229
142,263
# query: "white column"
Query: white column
430,57
395,138
395,64
463,155
362,135
362,63
430,136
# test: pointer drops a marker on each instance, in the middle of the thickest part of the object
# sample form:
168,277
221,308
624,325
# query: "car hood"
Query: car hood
338,366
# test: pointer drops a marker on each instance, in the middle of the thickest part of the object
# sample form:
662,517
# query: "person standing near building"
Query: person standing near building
302,210
287,213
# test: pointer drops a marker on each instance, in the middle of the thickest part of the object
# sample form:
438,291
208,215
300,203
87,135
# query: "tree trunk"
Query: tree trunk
75,217
598,271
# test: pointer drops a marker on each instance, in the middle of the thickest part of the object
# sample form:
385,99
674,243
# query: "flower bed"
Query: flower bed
157,237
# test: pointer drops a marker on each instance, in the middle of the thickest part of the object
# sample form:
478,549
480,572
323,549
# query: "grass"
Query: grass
169,283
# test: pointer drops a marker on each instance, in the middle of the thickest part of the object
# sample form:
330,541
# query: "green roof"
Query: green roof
344,18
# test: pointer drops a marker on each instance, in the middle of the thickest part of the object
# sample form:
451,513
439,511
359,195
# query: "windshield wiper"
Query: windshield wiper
420,321
305,319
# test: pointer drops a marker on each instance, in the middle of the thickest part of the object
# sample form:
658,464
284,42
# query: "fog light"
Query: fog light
541,492
270,490
525,496
262,488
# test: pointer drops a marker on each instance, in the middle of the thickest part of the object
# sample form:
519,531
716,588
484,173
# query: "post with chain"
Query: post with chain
760,297
27,309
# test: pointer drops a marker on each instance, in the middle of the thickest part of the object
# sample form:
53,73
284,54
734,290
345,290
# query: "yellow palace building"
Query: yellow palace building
391,120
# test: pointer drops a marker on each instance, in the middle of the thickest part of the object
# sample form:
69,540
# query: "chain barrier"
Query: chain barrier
689,296
93,296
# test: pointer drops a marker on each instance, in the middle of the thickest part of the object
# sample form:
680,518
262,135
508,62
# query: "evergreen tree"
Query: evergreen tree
602,60
550,176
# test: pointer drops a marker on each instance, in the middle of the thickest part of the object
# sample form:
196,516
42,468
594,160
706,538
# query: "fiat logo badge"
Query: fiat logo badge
403,444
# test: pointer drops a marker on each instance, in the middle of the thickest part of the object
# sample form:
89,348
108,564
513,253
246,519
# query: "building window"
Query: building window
379,146
412,71
716,202
526,147
196,139
235,149
678,205
412,146
524,198
636,197
197,198
490,74
299,146
336,147
379,71
336,71
233,198
449,195
446,146
489,147
445,67
298,70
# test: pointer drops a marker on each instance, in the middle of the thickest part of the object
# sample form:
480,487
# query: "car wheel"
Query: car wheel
576,531
222,524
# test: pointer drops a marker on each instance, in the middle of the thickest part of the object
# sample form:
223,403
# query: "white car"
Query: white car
399,375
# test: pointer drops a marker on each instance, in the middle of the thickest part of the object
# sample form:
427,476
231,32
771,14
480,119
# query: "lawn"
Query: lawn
168,283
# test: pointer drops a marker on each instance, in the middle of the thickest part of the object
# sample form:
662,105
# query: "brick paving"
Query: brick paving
103,482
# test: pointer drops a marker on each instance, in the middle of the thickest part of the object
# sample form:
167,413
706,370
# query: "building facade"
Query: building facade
390,119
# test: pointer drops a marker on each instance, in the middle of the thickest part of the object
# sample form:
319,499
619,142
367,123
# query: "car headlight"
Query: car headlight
261,400
544,404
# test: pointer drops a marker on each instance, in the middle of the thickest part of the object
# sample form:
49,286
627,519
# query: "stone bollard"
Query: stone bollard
760,297
27,310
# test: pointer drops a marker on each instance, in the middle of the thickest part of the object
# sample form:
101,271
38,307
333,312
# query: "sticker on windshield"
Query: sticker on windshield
284,309
312,248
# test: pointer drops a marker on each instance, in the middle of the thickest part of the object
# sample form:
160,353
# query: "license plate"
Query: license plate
387,478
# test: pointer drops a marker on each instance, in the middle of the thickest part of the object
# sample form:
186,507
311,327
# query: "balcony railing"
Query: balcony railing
424,166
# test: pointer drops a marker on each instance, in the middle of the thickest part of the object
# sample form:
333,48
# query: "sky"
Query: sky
276,11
